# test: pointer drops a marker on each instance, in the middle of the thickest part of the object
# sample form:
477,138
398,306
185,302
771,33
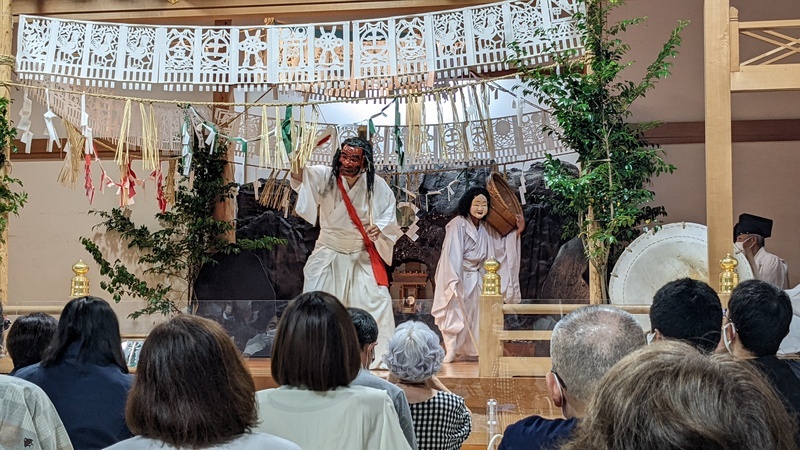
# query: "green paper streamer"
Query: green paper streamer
286,130
398,138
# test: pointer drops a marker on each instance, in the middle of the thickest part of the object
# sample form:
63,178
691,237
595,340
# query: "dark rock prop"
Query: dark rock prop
541,241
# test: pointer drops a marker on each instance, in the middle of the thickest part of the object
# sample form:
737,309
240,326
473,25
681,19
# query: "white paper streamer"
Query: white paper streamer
24,126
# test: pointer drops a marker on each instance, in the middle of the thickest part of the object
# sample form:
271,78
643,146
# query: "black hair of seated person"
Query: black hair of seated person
28,338
315,346
761,313
670,396
90,323
192,389
688,310
465,202
366,326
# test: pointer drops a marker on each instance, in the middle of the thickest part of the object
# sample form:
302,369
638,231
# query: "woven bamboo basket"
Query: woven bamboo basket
505,204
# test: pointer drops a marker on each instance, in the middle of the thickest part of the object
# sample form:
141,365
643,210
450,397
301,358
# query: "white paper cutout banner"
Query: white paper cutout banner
334,59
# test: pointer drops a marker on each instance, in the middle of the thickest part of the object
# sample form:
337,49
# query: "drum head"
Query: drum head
675,251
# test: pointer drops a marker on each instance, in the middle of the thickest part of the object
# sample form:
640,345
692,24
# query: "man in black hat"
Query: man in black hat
749,234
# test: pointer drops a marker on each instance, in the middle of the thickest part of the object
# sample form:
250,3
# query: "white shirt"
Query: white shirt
248,441
352,418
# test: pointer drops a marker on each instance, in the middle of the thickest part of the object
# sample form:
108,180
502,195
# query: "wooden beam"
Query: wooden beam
719,160
225,209
773,77
285,11
775,130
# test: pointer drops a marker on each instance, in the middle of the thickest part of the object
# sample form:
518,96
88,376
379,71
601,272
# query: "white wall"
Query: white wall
43,240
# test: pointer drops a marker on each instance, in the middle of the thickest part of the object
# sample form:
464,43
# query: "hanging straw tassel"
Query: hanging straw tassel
71,169
149,138
266,190
264,159
413,122
440,117
308,138
169,181
121,155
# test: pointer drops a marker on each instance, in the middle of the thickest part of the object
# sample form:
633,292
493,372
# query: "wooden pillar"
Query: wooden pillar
491,324
719,160
226,208
7,32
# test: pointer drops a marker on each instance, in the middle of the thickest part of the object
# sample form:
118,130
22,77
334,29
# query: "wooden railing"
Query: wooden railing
492,363
773,54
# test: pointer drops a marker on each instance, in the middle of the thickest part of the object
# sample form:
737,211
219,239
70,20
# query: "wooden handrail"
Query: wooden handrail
19,310
492,363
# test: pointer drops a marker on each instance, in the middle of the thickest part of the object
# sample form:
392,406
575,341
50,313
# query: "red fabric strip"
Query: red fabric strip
378,268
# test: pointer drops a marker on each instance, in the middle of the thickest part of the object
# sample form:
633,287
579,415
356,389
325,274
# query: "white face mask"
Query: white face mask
739,247
725,339
650,337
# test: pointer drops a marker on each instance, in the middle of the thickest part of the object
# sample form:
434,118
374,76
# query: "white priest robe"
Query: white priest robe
459,279
771,268
340,264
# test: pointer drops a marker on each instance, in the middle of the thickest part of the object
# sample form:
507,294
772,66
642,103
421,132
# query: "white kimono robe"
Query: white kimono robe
340,264
771,268
459,278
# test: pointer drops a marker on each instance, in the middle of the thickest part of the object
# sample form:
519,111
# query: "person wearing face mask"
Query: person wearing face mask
749,234
367,333
358,229
585,345
468,242
756,322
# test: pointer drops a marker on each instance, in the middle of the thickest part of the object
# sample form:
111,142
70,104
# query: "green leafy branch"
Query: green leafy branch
188,239
590,102
11,201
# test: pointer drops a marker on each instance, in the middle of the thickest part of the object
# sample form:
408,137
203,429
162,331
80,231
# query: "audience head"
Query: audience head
366,332
687,310
315,344
192,388
585,344
414,353
759,315
670,396
28,337
89,324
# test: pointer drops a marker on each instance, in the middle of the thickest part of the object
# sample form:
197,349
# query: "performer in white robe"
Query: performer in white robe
749,234
468,242
340,264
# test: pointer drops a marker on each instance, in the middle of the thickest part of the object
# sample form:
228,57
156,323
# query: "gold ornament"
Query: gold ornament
491,281
80,282
728,278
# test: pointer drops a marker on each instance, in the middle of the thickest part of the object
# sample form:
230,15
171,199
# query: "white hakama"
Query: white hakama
340,264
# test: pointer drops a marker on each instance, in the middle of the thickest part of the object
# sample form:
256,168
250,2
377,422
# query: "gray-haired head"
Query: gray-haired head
587,342
414,353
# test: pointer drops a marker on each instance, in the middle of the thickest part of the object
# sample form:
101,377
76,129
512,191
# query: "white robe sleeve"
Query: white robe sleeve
449,271
772,269
384,215
506,250
309,191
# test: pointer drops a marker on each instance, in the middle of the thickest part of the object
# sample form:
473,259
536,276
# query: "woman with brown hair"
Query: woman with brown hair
669,396
314,359
192,390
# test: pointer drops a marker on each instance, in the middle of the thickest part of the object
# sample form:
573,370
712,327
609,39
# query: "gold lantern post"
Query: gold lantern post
80,282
